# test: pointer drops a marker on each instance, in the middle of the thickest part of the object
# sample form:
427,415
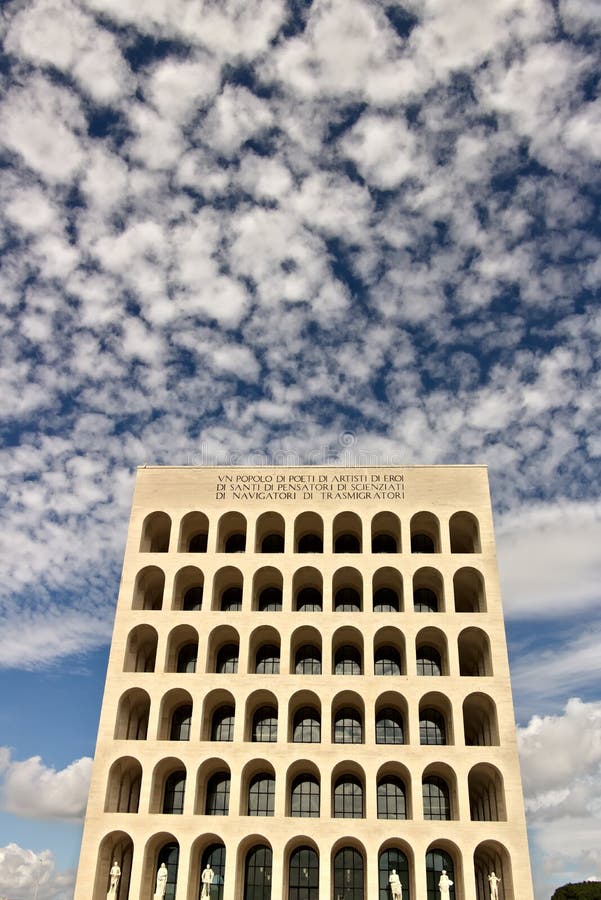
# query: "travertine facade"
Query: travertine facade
308,687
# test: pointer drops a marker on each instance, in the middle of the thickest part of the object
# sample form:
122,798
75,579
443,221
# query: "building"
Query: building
308,687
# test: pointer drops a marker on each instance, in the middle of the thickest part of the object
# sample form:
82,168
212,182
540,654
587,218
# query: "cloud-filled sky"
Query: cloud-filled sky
257,231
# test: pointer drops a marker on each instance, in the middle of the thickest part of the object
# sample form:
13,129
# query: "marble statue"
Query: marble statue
115,874
161,887
494,882
396,887
207,880
444,885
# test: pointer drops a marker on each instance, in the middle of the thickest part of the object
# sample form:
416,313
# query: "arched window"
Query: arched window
222,724
437,862
347,543
389,861
268,660
231,599
422,543
348,798
347,661
389,726
432,727
387,661
310,543
270,600
428,661
392,803
348,727
306,728
437,804
235,543
218,795
303,874
261,795
309,599
272,543
169,854
425,600
198,543
383,543
227,659
193,599
173,798
348,875
307,660
386,600
347,600
265,724
186,658
180,723
304,797
257,873
214,856
155,533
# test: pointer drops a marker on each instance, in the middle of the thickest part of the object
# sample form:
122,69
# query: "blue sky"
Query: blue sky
345,229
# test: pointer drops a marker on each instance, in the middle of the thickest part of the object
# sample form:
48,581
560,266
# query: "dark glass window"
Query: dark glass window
303,874
348,798
309,600
389,726
257,873
386,600
435,793
270,600
387,661
310,543
261,794
231,599
304,797
348,728
432,727
393,860
391,799
193,599
272,543
428,661
425,600
214,856
236,543
306,726
268,660
383,543
347,661
218,795
227,659
265,724
307,660
347,543
173,798
438,861
198,543
222,726
347,600
186,658
180,723
169,854
348,875
422,543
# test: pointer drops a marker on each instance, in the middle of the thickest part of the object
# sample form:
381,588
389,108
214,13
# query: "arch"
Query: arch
304,790
231,533
261,717
439,792
464,532
468,590
308,533
213,782
473,645
425,533
149,589
348,873
389,652
348,791
182,650
193,533
161,848
347,590
347,651
132,716
305,651
441,857
307,590
270,533
156,531
303,873
390,860
480,725
141,649
223,650
491,857
391,718
117,846
264,651
227,589
123,786
175,717
304,718
435,720
208,850
258,864
431,652
347,533
168,785
387,590
385,533
486,793
348,716
258,788
428,591
393,791
188,589
268,585
218,716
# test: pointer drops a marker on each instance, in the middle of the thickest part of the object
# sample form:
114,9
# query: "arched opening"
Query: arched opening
428,592
149,589
116,847
385,533
387,587
435,720
439,793
262,717
223,650
155,533
303,874
308,533
168,787
267,590
182,650
194,533
487,795
264,651
480,725
165,871
425,533
468,589
492,872
227,590
175,717
305,652
391,715
218,717
132,716
440,868
464,533
212,862
188,589
393,787
303,790
347,590
348,874
260,791
257,873
270,533
348,714
307,590
123,787
347,652
474,653
140,655
304,718
389,652
213,788
431,652
231,533
393,869
347,532
348,789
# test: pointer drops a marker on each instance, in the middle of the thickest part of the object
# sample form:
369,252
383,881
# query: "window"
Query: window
306,727
383,543
348,875
193,599
265,724
392,861
437,862
180,723
391,798
173,798
307,660
257,873
218,795
186,658
432,727
348,798
389,726
272,543
310,543
387,661
309,600
425,600
169,854
347,600
435,793
347,661
303,874
347,543
348,728
227,659
270,600
422,543
428,661
231,599
386,600
304,797
235,543
214,856
222,725
261,795
268,660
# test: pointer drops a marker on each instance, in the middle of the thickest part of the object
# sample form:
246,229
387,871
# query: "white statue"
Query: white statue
494,882
444,885
395,885
115,874
207,880
159,891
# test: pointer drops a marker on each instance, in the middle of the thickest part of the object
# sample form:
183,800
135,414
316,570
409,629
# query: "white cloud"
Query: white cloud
21,870
177,89
383,150
236,116
34,791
